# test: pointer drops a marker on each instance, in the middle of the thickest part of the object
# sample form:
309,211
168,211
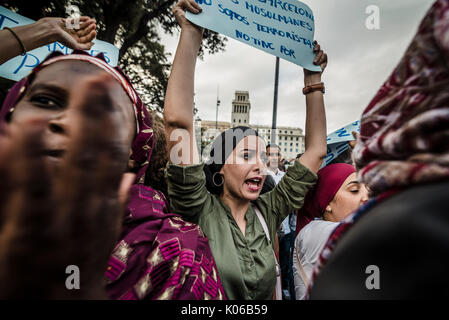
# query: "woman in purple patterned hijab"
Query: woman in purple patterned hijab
158,256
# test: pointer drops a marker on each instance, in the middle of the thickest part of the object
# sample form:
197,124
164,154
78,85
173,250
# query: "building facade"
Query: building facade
289,139
241,107
208,131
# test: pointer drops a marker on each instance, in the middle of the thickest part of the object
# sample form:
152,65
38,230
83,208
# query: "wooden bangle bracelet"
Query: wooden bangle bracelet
314,87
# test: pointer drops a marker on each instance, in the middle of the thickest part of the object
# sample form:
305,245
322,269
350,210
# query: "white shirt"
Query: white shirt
308,244
277,176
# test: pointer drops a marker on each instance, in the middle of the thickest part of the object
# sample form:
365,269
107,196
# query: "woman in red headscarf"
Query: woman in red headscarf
336,194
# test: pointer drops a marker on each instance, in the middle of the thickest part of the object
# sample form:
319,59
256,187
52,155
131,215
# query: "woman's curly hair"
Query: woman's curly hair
155,174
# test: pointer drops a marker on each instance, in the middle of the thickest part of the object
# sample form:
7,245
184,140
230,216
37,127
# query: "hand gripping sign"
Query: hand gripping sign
283,28
337,141
19,67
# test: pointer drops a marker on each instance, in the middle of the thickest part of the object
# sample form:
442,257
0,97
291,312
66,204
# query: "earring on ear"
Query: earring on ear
9,114
213,179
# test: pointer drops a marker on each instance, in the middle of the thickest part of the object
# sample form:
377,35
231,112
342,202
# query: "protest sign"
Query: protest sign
283,28
337,141
19,67
344,134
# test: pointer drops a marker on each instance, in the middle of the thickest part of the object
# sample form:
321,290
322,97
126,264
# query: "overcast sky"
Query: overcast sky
360,60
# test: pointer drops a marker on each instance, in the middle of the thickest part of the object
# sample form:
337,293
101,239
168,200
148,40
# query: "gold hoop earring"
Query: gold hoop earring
213,179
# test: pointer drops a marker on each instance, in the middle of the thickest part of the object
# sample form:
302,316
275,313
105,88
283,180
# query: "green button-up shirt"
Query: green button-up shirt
245,263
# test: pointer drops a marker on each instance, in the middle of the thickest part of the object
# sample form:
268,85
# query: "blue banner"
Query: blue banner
337,141
19,67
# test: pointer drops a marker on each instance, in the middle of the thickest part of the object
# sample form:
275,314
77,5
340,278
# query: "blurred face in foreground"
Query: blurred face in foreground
351,195
244,171
52,97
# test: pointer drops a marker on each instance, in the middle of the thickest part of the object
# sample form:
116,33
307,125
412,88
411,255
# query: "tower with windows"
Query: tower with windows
241,107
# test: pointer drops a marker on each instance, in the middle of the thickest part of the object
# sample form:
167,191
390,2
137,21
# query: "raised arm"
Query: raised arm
178,107
43,32
315,139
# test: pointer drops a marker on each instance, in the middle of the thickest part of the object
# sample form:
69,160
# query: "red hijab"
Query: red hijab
330,179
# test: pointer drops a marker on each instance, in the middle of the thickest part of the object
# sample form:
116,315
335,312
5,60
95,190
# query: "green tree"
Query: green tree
135,28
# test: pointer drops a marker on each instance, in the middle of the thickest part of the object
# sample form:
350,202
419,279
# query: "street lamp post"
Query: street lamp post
275,102
216,113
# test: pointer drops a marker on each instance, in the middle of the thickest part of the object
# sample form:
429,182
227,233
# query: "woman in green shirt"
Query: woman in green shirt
229,215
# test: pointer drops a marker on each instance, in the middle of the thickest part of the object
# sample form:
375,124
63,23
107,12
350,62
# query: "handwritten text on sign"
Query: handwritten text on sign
284,28
19,67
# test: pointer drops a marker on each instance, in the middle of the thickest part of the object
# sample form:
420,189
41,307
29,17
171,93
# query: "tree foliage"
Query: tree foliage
135,28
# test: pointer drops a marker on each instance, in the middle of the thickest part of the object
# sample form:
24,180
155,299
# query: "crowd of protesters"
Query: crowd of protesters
91,178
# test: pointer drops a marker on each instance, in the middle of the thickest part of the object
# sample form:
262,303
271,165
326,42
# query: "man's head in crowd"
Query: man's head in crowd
274,156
